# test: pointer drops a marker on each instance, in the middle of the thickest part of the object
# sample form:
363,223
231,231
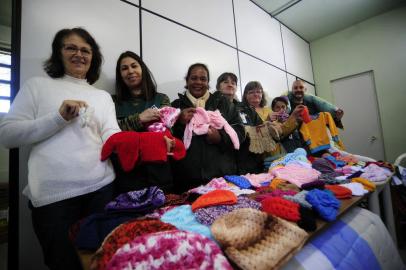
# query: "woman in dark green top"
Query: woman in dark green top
137,103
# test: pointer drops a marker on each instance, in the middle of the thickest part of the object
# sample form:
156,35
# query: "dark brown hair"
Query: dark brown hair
148,84
54,67
223,77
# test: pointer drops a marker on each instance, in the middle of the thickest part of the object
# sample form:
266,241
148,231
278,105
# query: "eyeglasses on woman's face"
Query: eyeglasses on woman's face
73,49
254,91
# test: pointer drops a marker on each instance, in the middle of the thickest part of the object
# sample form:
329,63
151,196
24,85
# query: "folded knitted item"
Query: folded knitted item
183,218
281,208
142,201
339,192
176,199
239,181
368,185
299,198
253,240
281,184
324,203
307,219
169,250
314,184
215,197
124,234
275,193
209,214
94,228
357,189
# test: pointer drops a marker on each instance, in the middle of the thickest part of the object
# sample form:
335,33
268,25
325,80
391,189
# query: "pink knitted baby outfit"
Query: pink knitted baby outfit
201,122
167,118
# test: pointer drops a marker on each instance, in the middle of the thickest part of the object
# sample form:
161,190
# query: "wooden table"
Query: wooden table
85,256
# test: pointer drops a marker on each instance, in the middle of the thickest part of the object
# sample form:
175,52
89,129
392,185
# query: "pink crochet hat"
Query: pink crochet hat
254,240
169,250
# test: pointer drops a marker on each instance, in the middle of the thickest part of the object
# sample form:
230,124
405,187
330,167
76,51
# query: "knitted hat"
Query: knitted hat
143,200
169,250
209,214
281,208
239,181
215,197
254,241
123,234
126,145
368,185
183,218
339,191
324,203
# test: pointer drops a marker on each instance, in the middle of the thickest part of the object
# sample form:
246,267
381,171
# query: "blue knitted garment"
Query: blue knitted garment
183,218
239,181
324,202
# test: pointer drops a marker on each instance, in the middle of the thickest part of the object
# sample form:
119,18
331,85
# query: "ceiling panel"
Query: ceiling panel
313,19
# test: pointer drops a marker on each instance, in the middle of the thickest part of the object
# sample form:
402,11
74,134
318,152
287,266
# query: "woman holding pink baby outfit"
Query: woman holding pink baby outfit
137,105
211,129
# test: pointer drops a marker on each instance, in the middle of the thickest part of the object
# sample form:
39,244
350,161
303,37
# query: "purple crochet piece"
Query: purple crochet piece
143,200
209,214
275,193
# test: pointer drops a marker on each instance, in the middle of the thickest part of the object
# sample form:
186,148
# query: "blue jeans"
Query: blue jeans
52,222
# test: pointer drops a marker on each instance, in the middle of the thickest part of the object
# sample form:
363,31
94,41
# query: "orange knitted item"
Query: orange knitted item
368,185
339,192
215,197
281,208
275,182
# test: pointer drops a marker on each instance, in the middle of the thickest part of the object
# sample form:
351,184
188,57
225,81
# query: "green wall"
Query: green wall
377,44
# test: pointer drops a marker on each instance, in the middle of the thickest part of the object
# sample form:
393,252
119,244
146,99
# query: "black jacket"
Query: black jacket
248,162
205,161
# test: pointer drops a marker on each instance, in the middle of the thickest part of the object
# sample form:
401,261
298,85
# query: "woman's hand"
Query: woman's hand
213,136
149,115
186,115
274,116
70,108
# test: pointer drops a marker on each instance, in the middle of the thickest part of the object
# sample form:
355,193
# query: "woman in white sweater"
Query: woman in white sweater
66,121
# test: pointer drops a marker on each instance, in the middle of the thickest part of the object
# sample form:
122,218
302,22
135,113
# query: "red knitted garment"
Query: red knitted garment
215,197
339,192
281,208
123,234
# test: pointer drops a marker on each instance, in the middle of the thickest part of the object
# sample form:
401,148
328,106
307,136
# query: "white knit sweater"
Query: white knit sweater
64,161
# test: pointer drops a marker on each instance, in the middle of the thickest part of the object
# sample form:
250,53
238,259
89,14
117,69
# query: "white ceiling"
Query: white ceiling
314,19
